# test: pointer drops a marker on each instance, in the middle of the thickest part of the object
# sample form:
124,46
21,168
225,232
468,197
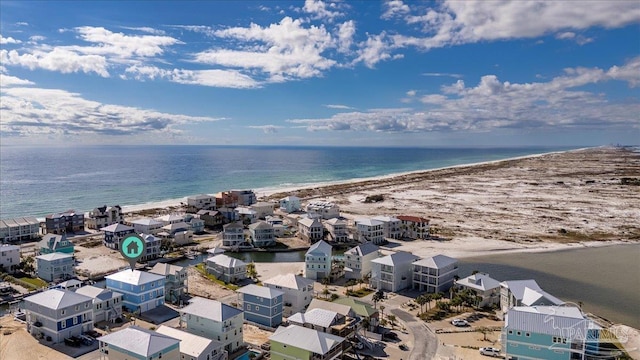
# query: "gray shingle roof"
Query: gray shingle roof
54,256
165,269
57,299
261,291
226,261
320,247
400,257
117,228
139,341
479,281
307,339
436,262
362,249
319,317
97,293
210,309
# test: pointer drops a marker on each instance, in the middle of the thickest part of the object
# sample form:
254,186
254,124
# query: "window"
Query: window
248,306
257,308
519,333
527,334
510,332
63,324
63,312
75,320
77,307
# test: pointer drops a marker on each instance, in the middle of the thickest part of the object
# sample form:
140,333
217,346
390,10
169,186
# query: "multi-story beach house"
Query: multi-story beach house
246,215
337,230
146,226
391,226
414,227
486,289
142,291
245,197
263,209
169,219
298,291
435,274
226,268
152,248
233,235
180,233
213,320
524,293
51,243
311,230
62,223
369,230
262,305
550,333
261,234
107,304
55,266
323,210
357,260
213,219
194,347
196,225
317,261
19,229
9,258
290,204
201,202
175,281
114,234
136,343
104,216
226,199
56,314
392,272
286,344
361,309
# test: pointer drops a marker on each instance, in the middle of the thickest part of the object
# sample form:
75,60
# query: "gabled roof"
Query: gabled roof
70,283
57,299
261,291
165,269
319,317
362,249
436,262
117,227
336,221
343,310
135,277
308,339
529,292
52,241
97,293
368,222
479,281
210,309
564,321
226,261
400,257
260,225
215,251
321,247
309,222
359,307
139,341
54,256
290,281
147,222
190,344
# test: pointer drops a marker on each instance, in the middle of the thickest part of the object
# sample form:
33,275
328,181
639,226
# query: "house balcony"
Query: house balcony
226,329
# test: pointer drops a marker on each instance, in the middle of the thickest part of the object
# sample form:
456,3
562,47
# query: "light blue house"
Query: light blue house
261,304
142,291
290,204
550,333
51,243
55,266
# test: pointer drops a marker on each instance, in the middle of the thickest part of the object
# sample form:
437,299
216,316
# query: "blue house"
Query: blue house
142,291
262,305
550,333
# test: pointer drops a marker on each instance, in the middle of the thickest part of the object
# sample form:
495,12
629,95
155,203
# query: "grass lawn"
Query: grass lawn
200,267
360,292
35,283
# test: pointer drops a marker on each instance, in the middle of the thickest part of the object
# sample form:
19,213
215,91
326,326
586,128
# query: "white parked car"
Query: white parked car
489,351
459,322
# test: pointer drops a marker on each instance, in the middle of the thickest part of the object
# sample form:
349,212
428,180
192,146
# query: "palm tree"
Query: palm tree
377,296
251,270
484,330
392,320
421,300
382,307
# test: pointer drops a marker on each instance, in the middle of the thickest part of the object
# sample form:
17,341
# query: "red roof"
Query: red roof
415,219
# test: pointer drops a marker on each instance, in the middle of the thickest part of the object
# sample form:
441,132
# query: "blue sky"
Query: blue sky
367,73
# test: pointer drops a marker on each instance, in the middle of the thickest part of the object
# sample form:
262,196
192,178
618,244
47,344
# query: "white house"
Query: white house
435,274
486,288
138,343
194,347
246,214
524,293
392,272
323,209
263,209
316,319
357,260
317,261
298,291
18,229
414,227
170,218
391,226
201,202
262,234
55,266
337,229
226,268
213,320
233,235
107,304
9,258
104,216
290,204
369,230
310,230
142,291
147,226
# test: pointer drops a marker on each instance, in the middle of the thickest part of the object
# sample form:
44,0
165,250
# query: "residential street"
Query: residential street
425,343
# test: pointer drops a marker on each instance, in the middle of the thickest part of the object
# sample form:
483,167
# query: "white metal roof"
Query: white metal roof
479,281
226,261
289,281
117,227
54,256
564,321
317,316
368,222
139,341
135,277
307,339
190,344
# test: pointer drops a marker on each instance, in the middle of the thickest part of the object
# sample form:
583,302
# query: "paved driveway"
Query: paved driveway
425,343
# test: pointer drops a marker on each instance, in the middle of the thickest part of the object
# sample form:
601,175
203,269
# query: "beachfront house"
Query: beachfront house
297,342
414,227
435,274
226,268
114,234
138,343
226,199
56,314
213,219
104,216
261,234
213,320
310,229
550,333
391,226
323,210
19,229
201,202
51,243
55,266
263,209
369,230
357,260
298,291
524,293
107,304
194,347
486,289
245,197
9,258
175,281
317,261
261,305
146,226
142,291
62,223
392,272
233,235
290,204
337,230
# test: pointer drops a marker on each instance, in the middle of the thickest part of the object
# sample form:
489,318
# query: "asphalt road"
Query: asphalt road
425,341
